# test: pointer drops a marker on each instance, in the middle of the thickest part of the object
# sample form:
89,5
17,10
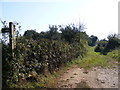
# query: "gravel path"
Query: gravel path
94,78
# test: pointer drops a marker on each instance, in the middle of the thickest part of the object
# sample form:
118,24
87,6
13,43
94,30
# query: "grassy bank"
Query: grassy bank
94,59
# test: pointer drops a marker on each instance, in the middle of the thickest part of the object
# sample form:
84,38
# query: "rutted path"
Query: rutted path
93,78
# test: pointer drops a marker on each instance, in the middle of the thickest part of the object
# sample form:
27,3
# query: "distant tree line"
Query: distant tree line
68,33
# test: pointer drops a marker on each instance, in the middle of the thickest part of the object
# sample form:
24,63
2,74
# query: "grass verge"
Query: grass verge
94,59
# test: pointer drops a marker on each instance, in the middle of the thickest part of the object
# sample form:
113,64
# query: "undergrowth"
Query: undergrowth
115,54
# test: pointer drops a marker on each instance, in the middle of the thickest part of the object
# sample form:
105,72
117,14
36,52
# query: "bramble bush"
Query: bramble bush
38,56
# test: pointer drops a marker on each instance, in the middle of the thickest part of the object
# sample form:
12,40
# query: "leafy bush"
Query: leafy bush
92,40
9,69
39,56
106,46
101,46
115,54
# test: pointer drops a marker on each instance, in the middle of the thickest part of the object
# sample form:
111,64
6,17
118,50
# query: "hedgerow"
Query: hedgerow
35,57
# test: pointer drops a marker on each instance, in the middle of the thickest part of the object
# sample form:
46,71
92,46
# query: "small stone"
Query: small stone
67,79
75,74
76,83
85,72
113,85
69,85
64,86
102,81
71,77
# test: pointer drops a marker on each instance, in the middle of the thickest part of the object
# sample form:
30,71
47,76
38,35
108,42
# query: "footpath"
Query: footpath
94,78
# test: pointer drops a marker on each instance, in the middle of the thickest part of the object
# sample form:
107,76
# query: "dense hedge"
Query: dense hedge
38,56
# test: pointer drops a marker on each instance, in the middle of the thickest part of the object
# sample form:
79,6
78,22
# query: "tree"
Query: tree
53,33
68,33
71,34
101,46
113,42
92,40
32,34
105,46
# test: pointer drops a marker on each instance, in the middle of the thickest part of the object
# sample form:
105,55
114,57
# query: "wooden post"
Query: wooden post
12,37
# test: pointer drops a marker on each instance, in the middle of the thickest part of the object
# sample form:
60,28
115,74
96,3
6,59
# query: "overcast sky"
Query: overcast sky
99,16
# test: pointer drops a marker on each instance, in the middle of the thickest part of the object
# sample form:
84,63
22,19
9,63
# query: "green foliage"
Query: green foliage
31,34
115,54
9,67
106,46
42,53
100,46
40,56
92,40
69,33
113,43
53,33
94,59
72,34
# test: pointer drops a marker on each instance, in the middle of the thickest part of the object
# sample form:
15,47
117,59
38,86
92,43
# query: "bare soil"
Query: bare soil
96,77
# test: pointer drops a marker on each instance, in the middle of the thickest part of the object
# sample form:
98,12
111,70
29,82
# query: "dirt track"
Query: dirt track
93,78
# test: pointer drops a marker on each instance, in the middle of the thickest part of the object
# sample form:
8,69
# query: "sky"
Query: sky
99,16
